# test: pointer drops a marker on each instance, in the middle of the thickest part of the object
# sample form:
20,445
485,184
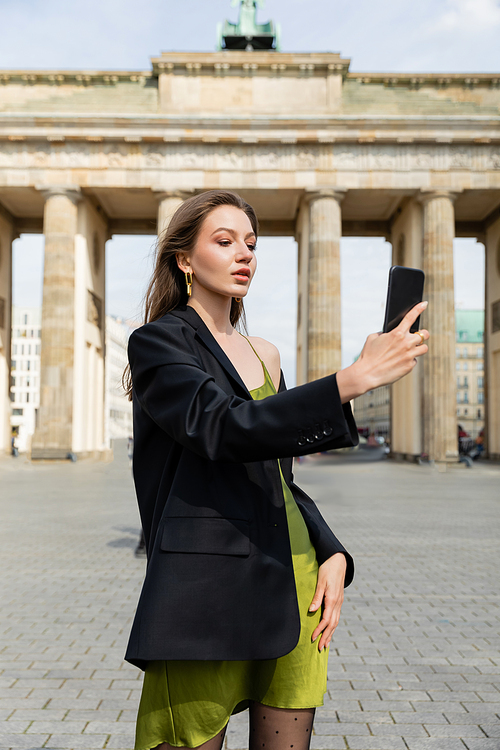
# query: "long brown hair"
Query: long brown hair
167,287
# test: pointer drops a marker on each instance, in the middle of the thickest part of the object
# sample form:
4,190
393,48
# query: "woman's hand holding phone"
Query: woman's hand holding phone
385,358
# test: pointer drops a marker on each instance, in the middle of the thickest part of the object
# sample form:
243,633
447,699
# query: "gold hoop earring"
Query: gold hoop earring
237,299
189,282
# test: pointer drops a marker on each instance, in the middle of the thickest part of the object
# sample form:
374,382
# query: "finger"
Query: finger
318,597
420,349
332,624
421,336
325,620
322,625
411,317
328,632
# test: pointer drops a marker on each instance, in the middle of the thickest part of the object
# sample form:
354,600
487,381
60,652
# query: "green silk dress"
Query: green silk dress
186,703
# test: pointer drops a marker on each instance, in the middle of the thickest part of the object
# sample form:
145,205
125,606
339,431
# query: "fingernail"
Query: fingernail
425,303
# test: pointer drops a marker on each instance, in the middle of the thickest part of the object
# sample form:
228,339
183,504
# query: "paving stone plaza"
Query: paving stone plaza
415,662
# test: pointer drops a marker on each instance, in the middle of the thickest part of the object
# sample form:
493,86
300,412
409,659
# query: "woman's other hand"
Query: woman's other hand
330,595
385,358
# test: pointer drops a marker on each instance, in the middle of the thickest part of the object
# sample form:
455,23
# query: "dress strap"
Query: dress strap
247,339
267,376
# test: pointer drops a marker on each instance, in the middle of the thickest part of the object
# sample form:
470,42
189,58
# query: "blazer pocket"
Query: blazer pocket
209,536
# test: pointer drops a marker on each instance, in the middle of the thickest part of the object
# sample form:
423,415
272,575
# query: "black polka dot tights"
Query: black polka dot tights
280,728
270,729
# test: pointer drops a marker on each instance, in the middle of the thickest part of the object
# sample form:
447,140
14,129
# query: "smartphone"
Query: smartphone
405,290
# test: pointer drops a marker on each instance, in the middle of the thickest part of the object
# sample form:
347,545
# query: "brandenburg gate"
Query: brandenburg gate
319,151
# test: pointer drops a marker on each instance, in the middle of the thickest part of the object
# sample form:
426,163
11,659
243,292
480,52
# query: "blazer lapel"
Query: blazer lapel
191,316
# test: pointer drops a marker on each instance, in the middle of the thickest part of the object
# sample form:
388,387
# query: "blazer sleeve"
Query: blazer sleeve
172,387
324,540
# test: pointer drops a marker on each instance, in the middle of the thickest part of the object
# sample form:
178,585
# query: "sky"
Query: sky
378,35
388,35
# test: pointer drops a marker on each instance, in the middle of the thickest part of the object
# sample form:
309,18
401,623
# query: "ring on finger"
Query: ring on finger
422,337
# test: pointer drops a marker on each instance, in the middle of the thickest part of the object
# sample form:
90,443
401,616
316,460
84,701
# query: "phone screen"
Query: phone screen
405,290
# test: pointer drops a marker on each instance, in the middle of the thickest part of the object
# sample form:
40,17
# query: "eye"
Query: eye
251,247
224,243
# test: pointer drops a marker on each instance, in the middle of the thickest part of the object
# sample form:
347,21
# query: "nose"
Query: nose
244,255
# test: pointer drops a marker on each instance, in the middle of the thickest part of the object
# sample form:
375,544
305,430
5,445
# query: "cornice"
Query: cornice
432,80
256,139
227,62
74,77
268,120
315,129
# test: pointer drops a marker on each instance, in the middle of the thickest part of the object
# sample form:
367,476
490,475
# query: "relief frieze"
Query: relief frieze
238,157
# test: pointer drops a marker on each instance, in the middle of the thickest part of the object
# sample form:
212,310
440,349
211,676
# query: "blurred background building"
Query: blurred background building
372,410
25,373
470,371
25,377
118,409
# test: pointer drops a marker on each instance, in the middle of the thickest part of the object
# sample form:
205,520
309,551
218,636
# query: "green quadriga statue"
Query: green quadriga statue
247,33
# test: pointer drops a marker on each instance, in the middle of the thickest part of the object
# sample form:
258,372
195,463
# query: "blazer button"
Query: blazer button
302,438
327,430
309,436
318,432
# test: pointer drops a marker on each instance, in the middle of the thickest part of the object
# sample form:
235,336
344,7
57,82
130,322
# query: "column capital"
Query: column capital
312,194
73,192
427,194
160,194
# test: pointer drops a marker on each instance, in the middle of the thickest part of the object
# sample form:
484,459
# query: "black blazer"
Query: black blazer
219,581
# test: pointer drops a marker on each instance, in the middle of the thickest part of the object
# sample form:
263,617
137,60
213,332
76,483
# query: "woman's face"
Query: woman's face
223,258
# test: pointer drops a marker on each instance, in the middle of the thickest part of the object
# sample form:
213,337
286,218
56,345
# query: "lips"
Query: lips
242,274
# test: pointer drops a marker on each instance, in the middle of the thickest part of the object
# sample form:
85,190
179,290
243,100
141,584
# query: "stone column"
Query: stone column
53,433
406,393
492,341
323,336
168,203
7,236
90,328
302,240
440,440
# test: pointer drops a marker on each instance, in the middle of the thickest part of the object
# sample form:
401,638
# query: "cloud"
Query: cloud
466,16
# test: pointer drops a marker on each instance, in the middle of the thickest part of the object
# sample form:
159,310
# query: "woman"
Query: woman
244,582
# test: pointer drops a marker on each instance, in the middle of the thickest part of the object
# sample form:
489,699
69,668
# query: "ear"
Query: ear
183,262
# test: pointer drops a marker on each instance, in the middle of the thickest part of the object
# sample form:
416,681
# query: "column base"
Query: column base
61,454
443,466
50,454
418,459
407,457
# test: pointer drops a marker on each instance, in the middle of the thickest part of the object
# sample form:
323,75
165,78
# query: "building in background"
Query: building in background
25,373
117,408
372,409
470,370
372,412
25,377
